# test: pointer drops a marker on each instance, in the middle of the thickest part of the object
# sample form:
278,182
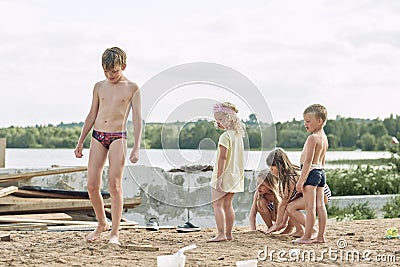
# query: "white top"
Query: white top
233,176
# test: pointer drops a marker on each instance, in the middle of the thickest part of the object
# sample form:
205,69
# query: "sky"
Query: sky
342,54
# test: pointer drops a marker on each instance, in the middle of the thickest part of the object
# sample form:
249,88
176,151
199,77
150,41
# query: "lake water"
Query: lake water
165,159
167,214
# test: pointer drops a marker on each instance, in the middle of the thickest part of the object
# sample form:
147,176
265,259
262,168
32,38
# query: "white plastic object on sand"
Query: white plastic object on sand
174,260
248,263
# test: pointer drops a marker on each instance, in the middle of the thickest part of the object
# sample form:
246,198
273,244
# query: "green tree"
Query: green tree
368,142
254,135
152,136
341,132
391,125
333,140
379,130
350,133
333,130
291,138
383,142
170,136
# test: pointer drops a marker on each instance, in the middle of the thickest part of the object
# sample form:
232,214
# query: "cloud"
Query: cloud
297,53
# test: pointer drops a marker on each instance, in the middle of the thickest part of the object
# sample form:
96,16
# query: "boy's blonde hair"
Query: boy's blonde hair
319,111
113,57
230,111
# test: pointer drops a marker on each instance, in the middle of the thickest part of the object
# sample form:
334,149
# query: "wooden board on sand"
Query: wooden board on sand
37,194
14,205
38,191
80,227
48,222
40,216
5,178
23,226
8,190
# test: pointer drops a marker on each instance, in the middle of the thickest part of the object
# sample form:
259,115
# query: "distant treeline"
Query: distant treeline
343,133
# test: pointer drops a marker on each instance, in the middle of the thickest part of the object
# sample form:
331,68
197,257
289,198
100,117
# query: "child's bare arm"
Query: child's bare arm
253,212
309,149
280,214
137,124
279,223
223,153
285,219
89,122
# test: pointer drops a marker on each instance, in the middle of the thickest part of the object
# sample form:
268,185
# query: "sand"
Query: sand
356,238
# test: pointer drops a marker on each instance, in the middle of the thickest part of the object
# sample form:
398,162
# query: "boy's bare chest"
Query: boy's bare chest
118,96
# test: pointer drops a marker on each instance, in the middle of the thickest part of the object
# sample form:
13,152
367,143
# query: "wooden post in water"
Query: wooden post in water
3,145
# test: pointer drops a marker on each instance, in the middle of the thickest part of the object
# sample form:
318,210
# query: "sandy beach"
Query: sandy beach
355,243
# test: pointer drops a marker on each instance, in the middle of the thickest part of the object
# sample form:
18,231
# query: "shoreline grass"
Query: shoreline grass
357,162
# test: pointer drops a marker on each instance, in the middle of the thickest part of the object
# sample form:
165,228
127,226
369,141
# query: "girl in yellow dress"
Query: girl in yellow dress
228,173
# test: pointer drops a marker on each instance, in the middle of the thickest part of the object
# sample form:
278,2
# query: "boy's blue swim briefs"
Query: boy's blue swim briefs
316,177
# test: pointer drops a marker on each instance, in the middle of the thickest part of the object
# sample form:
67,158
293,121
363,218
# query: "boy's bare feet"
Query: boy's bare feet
319,240
93,236
114,240
314,235
302,240
229,238
218,238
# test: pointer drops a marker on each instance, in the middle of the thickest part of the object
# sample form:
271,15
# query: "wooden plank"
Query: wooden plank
40,216
8,190
23,226
47,222
27,175
86,223
65,228
10,200
31,193
40,205
91,228
38,191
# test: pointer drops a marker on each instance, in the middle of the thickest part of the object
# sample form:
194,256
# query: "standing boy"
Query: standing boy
112,100
312,178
